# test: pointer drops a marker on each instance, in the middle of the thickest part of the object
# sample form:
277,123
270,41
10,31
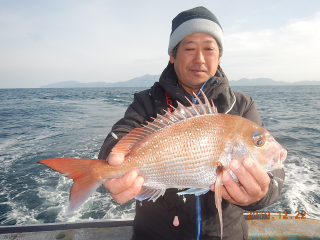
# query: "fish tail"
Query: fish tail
218,198
85,175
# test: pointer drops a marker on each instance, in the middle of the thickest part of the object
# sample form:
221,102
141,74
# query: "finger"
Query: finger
233,191
248,182
115,159
258,173
129,193
116,186
225,194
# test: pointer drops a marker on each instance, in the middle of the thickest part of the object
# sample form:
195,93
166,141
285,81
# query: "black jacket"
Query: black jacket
197,215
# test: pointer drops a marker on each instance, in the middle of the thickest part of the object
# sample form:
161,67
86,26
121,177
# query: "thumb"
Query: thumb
115,159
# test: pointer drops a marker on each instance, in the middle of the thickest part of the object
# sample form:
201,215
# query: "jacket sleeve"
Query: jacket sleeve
248,110
276,183
135,115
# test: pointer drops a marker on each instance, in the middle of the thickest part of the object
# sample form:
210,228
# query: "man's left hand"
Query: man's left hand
253,179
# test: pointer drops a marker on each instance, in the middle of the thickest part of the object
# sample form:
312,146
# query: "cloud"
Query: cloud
289,53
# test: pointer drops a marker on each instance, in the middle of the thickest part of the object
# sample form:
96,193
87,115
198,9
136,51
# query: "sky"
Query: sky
43,42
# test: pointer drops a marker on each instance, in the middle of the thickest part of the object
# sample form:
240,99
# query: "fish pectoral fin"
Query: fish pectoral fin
195,191
152,194
275,178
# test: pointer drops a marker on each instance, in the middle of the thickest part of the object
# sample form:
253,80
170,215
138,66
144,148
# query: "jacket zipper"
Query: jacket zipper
199,220
234,102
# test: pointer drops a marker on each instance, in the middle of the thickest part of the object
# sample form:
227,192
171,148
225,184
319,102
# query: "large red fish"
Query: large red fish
188,148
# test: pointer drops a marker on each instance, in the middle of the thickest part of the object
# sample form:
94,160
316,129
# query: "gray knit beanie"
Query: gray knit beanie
195,20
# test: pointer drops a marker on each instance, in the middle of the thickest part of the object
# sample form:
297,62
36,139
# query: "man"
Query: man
195,48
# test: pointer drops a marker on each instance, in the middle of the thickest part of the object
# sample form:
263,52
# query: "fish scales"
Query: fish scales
182,155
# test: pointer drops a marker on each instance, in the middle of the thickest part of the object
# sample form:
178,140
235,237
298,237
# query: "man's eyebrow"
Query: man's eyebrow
210,41
189,42
206,41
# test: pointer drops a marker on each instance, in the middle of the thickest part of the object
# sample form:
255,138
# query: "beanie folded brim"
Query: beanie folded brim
195,26
195,20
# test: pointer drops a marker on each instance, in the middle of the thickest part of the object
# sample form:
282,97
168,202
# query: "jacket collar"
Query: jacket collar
216,88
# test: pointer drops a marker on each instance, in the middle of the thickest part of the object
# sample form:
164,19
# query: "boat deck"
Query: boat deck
259,229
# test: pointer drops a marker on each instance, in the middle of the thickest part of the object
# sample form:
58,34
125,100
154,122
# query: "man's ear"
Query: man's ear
171,58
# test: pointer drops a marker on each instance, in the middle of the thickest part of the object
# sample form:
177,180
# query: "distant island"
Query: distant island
268,82
149,80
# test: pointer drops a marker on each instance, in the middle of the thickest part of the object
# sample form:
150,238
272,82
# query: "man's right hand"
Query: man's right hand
125,188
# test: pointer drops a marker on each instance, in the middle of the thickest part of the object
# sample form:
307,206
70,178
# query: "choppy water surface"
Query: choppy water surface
43,123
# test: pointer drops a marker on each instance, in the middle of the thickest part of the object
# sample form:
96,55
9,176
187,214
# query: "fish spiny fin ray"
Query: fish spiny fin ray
185,110
208,106
172,117
178,114
193,108
202,109
214,108
154,125
159,123
164,119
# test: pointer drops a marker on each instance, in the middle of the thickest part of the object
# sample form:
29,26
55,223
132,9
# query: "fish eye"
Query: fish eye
258,139
259,143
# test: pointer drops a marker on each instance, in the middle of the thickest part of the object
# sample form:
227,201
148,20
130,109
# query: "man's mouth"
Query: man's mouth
197,70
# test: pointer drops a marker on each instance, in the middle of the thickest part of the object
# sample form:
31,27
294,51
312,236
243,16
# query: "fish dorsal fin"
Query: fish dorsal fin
160,122
124,145
183,112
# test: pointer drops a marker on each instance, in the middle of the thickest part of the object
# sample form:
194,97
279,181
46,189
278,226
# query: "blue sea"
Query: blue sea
43,123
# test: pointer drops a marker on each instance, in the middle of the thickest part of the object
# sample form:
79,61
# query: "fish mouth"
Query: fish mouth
279,158
283,155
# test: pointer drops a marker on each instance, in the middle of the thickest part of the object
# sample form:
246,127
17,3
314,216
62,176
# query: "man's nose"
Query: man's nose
199,57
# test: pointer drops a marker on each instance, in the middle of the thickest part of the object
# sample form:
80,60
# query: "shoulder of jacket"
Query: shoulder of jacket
242,97
155,91
143,94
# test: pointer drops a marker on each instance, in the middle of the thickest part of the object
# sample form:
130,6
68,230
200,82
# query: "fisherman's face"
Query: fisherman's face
197,59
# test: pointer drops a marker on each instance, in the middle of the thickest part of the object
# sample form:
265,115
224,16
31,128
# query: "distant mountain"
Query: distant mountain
144,81
308,82
148,81
268,82
256,82
75,84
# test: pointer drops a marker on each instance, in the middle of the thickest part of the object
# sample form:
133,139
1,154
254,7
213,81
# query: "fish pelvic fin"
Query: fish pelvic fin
195,191
160,122
152,194
85,179
218,198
